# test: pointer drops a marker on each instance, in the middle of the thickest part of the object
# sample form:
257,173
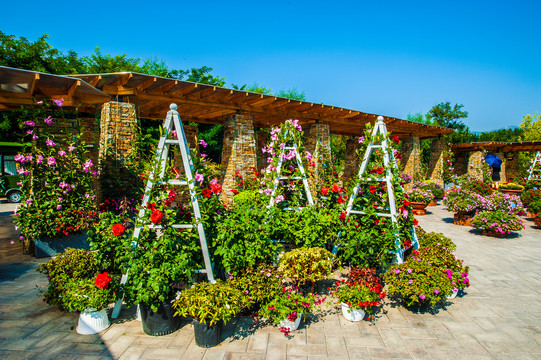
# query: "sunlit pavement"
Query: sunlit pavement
498,318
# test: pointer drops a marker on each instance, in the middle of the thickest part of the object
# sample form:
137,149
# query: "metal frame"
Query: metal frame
172,122
536,167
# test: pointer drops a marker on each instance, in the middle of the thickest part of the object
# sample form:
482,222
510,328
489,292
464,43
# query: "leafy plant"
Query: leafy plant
459,200
529,196
418,282
365,276
537,220
498,221
434,188
70,265
307,265
260,284
358,296
477,187
209,303
81,294
287,305
535,207
420,195
432,239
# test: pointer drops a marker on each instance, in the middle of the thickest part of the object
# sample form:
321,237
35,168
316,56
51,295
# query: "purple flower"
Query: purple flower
436,292
30,123
88,164
203,143
29,131
204,155
279,198
71,148
58,207
409,271
39,160
396,271
49,142
361,139
35,137
51,161
49,121
59,102
410,282
62,153
422,296
199,177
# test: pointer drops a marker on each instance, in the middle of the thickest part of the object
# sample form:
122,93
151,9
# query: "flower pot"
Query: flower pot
510,192
463,218
92,321
291,325
453,294
206,335
530,214
352,314
419,208
433,203
47,246
159,323
493,233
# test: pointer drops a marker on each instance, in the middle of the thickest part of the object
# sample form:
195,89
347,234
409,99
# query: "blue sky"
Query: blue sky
385,57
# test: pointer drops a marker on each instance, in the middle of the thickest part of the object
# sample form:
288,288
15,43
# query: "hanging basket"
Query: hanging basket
206,335
159,323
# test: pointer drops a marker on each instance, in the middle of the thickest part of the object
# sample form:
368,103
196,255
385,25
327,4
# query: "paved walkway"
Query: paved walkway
499,317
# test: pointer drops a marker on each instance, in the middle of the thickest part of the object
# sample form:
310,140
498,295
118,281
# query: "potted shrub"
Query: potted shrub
497,223
530,196
535,208
260,285
464,203
91,297
434,239
434,188
211,306
537,220
498,201
286,309
477,187
357,298
418,283
419,199
307,265
511,188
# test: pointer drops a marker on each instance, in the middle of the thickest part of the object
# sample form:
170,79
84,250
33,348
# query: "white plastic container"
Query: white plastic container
292,325
352,314
92,321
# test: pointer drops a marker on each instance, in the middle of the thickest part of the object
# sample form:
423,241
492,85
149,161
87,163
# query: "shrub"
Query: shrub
443,259
477,187
365,276
260,284
420,195
499,221
418,283
529,196
287,305
537,220
435,239
510,204
535,207
459,200
511,186
434,188
307,265
81,294
71,265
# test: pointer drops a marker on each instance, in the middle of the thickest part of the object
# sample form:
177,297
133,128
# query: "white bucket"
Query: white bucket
352,314
292,325
92,321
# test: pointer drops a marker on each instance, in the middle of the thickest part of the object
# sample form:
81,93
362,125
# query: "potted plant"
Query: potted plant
307,265
535,208
530,196
357,298
511,188
537,220
286,309
419,199
434,188
477,187
91,297
464,203
435,239
497,223
211,306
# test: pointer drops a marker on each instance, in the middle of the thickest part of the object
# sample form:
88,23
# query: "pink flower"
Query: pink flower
71,148
204,155
51,161
422,296
29,123
279,198
410,282
436,292
61,153
39,102
59,102
199,177
49,142
203,143
29,131
35,137
39,159
48,121
88,164
361,139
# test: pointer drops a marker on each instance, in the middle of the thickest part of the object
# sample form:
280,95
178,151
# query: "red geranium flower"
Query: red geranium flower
395,139
207,193
156,216
341,200
335,188
324,190
373,189
216,188
415,222
118,229
407,243
102,281
343,215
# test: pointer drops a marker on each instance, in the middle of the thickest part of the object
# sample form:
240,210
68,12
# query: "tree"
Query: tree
531,127
445,115
419,118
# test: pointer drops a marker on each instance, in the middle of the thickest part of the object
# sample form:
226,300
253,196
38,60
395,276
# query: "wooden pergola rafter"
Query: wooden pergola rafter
496,146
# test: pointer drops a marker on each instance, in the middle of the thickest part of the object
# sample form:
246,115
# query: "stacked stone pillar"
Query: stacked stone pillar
476,163
411,157
317,141
436,161
510,167
117,129
238,152
351,161
461,163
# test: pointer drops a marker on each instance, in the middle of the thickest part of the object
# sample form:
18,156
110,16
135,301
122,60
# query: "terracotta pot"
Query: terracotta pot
433,203
419,208
463,218
510,192
532,215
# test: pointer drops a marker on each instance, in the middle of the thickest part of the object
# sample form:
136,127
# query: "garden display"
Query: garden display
419,198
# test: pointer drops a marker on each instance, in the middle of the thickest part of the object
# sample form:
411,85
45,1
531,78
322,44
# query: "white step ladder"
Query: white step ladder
279,177
388,158
534,172
172,123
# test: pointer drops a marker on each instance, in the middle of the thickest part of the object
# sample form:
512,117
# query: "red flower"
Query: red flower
415,222
416,252
406,202
207,193
118,229
381,295
407,243
102,281
335,188
156,216
216,188
341,200
343,215
151,206
324,190
395,139
373,189
234,191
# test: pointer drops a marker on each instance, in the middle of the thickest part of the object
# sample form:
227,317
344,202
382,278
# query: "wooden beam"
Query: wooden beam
34,85
94,81
146,84
73,88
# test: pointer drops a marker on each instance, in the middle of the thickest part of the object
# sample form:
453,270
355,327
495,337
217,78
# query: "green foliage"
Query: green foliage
529,196
531,127
499,221
445,115
307,265
256,88
286,305
358,296
81,294
259,284
71,265
418,282
434,188
209,303
365,276
535,207
433,239
477,187
107,245
310,227
420,195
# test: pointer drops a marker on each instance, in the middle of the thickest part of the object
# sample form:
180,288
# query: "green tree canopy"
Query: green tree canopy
531,127
445,115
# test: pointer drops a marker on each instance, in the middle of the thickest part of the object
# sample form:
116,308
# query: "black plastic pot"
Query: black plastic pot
159,323
207,336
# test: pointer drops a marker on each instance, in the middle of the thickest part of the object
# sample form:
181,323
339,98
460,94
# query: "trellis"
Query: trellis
172,126
534,172
388,161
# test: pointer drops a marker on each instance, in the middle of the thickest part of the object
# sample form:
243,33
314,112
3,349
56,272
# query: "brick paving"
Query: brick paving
498,318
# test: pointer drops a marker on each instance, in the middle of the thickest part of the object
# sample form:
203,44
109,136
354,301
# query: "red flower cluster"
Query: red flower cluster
157,216
365,304
207,193
324,190
341,200
373,189
102,281
216,188
378,170
171,198
118,229
343,215
395,139
335,188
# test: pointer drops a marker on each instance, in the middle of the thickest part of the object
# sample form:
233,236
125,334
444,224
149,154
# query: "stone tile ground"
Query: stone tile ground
498,318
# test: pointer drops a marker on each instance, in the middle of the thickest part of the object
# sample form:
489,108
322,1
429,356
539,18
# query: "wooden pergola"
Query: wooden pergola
212,104
496,146
22,87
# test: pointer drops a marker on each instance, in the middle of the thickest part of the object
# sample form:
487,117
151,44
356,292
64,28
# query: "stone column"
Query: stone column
436,161
238,152
352,161
475,165
117,129
411,157
317,141
461,164
511,170
262,138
